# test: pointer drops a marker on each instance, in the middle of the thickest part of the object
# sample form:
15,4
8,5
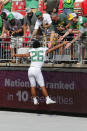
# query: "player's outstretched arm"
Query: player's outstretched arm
56,47
21,55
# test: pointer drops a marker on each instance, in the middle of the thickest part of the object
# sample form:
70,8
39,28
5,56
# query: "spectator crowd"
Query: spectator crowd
48,26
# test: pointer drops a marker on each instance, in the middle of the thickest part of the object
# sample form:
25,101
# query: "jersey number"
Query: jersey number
37,56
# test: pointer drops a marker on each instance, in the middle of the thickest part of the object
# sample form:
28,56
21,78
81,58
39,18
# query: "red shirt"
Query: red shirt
84,7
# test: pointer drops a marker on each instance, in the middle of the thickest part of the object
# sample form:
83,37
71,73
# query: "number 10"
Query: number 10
22,96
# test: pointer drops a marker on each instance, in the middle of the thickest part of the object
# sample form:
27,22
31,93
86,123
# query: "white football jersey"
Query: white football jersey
37,56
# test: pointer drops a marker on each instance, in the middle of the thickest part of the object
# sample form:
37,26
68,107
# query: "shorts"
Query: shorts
67,11
35,76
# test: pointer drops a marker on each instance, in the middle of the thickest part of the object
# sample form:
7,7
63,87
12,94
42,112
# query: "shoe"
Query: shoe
50,101
35,101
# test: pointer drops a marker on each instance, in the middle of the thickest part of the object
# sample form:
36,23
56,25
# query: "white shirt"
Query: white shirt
37,56
46,20
83,30
6,11
16,15
79,0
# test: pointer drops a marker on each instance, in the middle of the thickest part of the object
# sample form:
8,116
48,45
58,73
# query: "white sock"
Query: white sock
34,98
47,97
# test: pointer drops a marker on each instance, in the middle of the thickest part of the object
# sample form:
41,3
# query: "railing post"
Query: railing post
79,51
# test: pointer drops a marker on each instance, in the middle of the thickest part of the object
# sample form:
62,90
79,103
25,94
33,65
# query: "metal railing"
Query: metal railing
76,53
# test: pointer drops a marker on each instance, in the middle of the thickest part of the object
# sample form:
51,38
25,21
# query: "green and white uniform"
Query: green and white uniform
37,61
82,21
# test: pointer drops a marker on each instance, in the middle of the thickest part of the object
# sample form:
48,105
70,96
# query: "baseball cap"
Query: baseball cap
71,16
84,20
28,10
10,16
38,13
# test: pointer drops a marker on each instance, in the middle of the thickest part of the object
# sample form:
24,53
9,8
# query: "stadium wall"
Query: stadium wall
66,86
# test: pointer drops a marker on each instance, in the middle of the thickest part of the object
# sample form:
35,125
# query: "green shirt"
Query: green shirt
63,21
1,25
32,3
68,4
76,25
8,6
